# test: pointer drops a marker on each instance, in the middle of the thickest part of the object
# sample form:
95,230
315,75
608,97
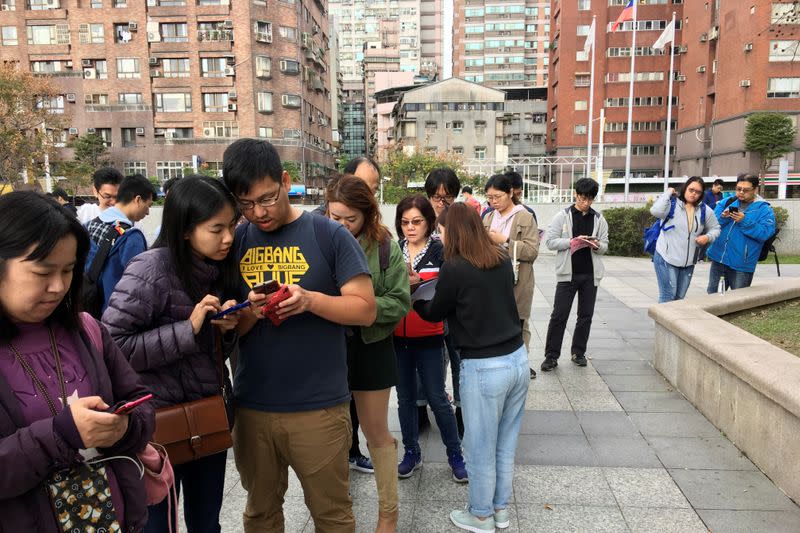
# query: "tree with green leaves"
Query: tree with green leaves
294,170
770,135
90,153
26,121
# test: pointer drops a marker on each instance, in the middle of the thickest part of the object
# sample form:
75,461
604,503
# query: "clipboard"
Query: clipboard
425,290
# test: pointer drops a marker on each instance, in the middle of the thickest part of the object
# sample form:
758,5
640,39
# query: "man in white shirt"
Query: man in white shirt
105,182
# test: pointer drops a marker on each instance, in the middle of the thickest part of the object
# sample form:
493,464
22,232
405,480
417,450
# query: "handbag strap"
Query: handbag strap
219,357
38,382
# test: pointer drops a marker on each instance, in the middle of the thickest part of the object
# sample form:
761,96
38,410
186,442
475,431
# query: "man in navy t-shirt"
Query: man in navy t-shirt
291,380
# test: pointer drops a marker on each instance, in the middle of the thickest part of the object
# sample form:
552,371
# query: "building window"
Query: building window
458,126
584,5
480,127
291,100
120,3
130,98
290,67
581,55
263,31
170,169
9,36
49,34
212,67
264,102
263,67
580,129
134,167
785,13
265,132
122,33
582,80
582,30
215,102
221,129
458,150
42,5
95,99
128,137
53,105
581,105
91,34
480,152
430,127
128,67
784,51
783,88
175,67
174,32
288,33
291,134
617,77
173,102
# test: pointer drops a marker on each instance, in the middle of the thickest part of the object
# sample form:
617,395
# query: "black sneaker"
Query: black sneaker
533,374
549,364
579,360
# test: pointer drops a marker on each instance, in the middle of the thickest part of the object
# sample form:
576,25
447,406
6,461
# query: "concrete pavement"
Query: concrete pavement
608,447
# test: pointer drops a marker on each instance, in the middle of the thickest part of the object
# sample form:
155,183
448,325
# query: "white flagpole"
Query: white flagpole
669,104
591,101
630,104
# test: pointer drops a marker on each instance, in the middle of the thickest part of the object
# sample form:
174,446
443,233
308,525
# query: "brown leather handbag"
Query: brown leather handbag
192,430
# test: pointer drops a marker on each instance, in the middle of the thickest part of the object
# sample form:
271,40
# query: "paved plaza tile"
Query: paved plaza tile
611,447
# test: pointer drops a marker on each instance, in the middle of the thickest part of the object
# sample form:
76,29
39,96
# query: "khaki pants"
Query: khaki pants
315,445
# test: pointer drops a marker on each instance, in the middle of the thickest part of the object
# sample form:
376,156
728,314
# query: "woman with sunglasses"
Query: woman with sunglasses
371,359
419,344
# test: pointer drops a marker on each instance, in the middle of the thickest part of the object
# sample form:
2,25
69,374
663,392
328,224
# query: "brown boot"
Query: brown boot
384,460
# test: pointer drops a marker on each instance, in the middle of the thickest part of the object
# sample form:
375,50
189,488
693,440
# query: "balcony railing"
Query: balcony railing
60,74
214,35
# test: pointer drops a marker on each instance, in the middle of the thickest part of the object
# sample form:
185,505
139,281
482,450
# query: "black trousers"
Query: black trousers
583,285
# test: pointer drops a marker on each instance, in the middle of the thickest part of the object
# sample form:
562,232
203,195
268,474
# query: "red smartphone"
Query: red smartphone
270,310
267,287
123,407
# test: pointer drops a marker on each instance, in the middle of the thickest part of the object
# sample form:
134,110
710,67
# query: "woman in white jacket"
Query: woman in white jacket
691,227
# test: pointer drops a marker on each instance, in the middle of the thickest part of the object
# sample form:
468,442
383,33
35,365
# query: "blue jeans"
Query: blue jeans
423,356
203,482
673,282
493,392
734,279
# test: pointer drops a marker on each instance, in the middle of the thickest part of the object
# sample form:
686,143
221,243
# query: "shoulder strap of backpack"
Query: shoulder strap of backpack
92,330
729,201
703,208
99,260
323,236
383,252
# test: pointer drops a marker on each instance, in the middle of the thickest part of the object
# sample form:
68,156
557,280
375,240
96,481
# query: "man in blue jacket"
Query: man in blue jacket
746,221
134,198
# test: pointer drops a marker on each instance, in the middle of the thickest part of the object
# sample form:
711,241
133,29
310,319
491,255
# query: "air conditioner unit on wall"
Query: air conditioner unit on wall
71,97
744,83
230,60
232,95
227,24
230,71
140,132
87,63
153,61
701,69
680,77
208,132
89,74
703,37
133,26
91,130
748,47
231,107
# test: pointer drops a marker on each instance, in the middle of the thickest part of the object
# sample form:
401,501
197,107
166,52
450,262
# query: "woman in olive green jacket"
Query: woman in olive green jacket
370,351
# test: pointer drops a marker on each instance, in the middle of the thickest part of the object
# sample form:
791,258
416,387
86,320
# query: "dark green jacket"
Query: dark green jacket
392,292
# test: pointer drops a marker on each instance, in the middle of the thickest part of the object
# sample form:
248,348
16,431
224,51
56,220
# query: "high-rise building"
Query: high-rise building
501,44
169,82
377,60
568,96
741,58
354,141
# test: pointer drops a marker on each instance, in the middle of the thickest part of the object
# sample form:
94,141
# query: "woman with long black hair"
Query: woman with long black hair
475,294
59,373
159,316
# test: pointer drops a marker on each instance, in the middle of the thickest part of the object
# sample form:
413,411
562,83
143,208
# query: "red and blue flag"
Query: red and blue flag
627,14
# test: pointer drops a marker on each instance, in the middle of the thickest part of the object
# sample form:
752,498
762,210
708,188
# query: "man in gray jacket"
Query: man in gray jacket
579,235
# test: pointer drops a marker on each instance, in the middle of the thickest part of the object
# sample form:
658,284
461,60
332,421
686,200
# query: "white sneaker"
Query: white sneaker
465,520
501,519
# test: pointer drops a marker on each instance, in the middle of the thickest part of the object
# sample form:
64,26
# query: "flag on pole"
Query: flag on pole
589,39
627,14
667,36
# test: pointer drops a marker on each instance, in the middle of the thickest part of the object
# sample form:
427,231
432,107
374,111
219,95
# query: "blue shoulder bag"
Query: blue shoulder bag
651,234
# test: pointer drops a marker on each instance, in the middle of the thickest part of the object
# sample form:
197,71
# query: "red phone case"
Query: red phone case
271,307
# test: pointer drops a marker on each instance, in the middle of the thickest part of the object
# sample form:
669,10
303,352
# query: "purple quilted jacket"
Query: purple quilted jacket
148,316
30,453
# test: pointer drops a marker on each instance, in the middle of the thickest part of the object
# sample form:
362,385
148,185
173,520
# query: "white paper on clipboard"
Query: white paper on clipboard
425,291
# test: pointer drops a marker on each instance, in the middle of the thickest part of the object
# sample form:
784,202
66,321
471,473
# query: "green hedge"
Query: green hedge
626,227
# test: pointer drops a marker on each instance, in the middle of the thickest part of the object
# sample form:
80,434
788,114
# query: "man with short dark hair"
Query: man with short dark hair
714,194
291,386
442,186
62,198
115,224
105,182
579,235
361,167
746,222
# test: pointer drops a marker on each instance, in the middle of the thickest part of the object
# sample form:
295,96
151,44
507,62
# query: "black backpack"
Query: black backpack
91,292
769,244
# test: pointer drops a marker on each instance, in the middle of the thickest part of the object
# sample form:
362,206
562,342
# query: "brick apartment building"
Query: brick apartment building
741,57
162,81
570,76
501,44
